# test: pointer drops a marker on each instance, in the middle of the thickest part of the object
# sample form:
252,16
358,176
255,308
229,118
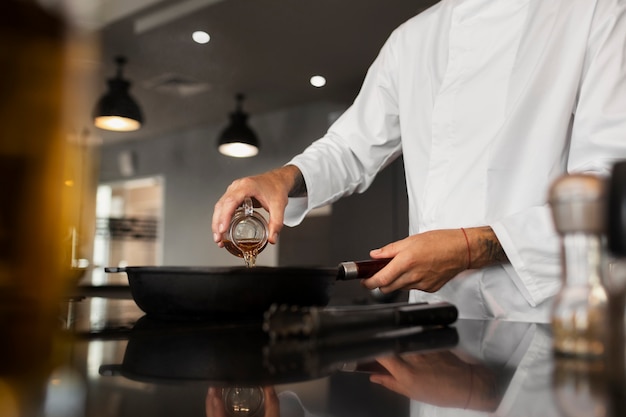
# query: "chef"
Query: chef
488,101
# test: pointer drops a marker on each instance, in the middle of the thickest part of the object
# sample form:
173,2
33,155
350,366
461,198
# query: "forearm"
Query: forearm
484,248
298,187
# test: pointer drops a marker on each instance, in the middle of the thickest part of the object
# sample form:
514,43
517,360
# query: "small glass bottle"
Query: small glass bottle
247,234
580,312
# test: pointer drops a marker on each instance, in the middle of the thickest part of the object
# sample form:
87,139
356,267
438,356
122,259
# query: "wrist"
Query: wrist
469,249
297,185
483,247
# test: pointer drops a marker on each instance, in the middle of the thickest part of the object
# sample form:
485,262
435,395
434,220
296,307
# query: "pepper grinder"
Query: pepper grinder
580,312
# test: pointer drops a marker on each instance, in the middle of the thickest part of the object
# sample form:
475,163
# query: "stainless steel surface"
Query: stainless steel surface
349,269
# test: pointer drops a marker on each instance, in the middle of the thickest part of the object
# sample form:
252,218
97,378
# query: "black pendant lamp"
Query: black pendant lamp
238,140
117,110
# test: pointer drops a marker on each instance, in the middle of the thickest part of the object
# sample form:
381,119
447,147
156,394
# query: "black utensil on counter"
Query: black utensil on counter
286,321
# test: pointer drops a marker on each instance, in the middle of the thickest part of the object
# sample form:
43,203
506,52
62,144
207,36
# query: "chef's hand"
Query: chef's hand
427,261
270,190
439,378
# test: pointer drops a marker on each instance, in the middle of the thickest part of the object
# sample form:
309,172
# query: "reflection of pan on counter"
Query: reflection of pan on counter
213,292
242,355
167,351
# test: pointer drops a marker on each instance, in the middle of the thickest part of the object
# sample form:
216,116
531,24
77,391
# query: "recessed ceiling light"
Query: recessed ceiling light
318,81
200,36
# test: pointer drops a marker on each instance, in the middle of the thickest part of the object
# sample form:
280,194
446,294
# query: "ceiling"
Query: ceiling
265,49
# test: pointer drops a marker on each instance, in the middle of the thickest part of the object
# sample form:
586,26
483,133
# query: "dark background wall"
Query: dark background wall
357,224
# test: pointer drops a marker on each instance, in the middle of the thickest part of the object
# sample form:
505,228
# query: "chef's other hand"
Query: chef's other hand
271,190
272,405
427,261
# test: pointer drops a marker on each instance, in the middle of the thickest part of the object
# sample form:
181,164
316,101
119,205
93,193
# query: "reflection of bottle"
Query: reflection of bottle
580,388
579,317
244,401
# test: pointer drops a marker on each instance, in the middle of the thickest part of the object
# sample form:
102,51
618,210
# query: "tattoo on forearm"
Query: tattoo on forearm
494,251
299,187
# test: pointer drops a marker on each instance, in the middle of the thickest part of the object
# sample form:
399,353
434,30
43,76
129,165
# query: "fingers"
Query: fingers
231,200
226,206
277,213
272,404
387,251
383,278
396,367
392,364
386,381
214,404
222,214
386,280
425,261
268,190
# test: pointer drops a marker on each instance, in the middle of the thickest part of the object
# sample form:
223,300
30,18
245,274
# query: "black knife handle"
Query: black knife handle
319,322
437,314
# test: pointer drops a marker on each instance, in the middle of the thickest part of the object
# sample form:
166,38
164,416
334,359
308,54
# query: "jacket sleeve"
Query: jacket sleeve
357,146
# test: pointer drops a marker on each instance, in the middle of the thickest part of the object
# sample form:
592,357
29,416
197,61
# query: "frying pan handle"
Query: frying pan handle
360,269
114,269
110,370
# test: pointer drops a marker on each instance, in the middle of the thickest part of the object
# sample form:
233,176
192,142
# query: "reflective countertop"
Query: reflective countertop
120,363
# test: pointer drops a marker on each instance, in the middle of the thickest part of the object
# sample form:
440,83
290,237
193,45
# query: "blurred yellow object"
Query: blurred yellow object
39,214
31,169
8,400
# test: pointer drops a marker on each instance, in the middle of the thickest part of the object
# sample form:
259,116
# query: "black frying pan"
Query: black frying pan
174,293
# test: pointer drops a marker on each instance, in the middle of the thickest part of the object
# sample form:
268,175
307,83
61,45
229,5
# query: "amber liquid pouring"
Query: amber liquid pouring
248,250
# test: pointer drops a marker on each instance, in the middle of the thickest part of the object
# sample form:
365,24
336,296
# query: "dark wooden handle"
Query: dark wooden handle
360,269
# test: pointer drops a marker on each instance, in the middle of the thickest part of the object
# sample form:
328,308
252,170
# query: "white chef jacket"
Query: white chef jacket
488,101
